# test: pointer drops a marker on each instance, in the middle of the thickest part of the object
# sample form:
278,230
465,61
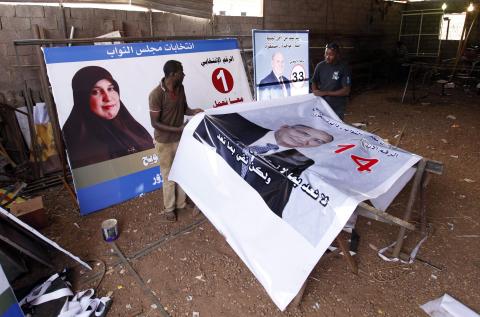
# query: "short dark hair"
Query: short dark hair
171,67
333,46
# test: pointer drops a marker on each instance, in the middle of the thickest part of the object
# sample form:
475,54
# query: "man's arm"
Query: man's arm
344,91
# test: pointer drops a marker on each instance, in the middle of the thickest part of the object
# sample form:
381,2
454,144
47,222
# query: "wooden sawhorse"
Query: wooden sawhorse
425,168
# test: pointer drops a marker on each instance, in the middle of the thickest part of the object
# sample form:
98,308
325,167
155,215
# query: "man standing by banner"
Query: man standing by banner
332,80
168,106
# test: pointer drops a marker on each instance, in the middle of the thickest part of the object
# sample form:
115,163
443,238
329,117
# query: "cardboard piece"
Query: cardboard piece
31,212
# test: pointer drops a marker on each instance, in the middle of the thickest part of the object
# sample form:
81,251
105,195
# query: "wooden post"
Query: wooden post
408,211
33,136
51,108
423,204
351,262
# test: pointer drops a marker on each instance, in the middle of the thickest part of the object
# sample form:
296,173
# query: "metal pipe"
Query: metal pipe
51,108
150,20
419,33
114,39
31,125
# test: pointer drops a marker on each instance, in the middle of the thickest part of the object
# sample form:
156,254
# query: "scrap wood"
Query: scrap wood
5,154
400,135
70,191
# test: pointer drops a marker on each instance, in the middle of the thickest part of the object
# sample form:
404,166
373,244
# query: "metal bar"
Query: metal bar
422,13
400,30
406,83
425,34
150,20
51,108
63,20
25,65
147,291
154,245
31,126
115,39
419,33
408,211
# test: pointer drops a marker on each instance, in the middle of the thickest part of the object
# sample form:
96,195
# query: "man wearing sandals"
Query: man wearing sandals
168,106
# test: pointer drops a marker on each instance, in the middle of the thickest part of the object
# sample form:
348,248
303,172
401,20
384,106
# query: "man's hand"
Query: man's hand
192,112
321,93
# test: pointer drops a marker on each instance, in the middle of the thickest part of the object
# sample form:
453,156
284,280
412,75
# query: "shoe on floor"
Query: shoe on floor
195,211
171,216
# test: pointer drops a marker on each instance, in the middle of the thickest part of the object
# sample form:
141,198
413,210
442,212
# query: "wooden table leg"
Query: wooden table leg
423,203
408,211
298,298
351,262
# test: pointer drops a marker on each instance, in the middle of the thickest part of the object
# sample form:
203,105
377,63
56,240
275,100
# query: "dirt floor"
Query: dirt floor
188,268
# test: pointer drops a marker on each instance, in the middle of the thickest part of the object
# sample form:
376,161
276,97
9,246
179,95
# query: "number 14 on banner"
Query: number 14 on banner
364,164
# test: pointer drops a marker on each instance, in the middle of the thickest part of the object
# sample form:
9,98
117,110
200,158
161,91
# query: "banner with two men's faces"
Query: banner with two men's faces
101,93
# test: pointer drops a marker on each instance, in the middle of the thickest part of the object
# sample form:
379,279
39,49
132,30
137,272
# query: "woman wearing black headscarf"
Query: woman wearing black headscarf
100,127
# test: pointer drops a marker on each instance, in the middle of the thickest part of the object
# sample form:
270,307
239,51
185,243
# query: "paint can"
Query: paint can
110,230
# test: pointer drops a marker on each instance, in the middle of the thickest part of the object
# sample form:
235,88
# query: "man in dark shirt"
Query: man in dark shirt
332,80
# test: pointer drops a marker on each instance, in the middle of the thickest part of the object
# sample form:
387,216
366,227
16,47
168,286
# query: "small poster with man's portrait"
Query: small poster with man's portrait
280,64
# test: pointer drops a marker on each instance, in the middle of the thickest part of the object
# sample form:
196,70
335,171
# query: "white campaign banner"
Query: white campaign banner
280,208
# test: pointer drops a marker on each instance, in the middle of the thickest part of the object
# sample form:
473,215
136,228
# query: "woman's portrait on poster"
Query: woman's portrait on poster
99,127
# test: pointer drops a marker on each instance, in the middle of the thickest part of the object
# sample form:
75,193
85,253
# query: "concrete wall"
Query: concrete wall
17,22
363,25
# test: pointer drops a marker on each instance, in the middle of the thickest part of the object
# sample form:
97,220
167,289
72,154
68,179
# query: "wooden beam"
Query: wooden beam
368,211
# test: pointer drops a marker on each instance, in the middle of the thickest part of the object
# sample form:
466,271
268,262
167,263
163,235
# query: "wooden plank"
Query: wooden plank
411,200
368,211
434,167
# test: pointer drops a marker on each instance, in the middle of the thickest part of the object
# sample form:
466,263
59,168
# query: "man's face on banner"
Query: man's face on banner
301,136
278,64
104,100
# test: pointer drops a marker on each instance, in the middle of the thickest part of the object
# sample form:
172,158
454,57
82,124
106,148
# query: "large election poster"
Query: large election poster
284,176
280,63
101,94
